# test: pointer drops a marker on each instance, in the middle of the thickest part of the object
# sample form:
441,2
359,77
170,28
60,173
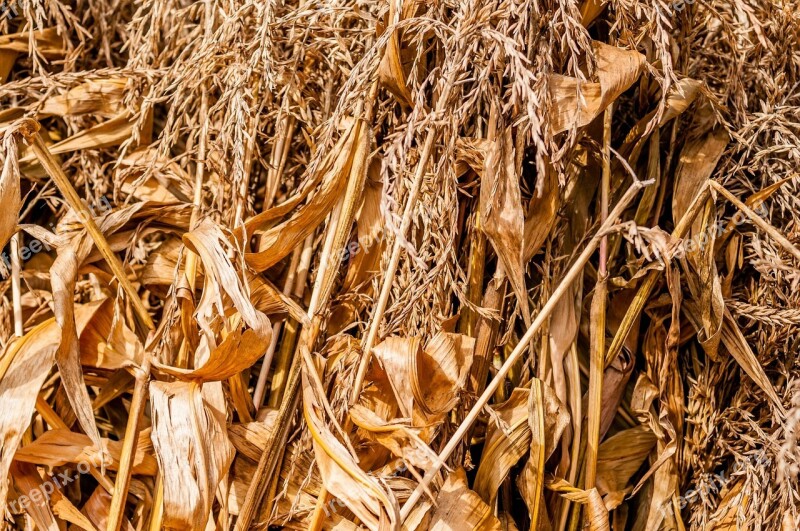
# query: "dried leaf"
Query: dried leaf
210,244
98,96
547,420
29,482
501,211
47,42
63,274
193,452
57,447
576,103
541,217
97,508
620,456
697,161
391,71
457,507
237,352
596,513
342,477
9,190
508,439
403,440
24,365
279,241
426,382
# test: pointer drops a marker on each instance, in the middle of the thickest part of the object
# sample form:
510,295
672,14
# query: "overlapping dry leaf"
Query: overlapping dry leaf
274,264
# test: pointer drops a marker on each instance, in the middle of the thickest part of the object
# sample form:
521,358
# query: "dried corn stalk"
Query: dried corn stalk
346,264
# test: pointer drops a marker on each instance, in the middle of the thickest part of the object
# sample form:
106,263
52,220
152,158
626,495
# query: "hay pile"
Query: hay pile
453,264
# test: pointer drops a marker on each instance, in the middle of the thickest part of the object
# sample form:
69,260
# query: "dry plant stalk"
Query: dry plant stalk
348,265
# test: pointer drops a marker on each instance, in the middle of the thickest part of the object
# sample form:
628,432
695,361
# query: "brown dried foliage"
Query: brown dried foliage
456,264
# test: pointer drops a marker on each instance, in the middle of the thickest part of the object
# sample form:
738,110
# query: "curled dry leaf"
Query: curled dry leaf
619,457
426,381
597,514
97,508
27,480
193,451
63,274
392,71
458,507
507,441
24,365
576,103
396,435
58,447
376,507
681,96
237,352
279,241
211,245
9,189
107,342
501,216
286,184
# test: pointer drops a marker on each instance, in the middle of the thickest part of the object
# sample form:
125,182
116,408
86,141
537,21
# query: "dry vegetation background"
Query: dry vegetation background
399,264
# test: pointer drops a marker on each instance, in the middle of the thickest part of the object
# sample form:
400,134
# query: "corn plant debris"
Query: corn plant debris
399,265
